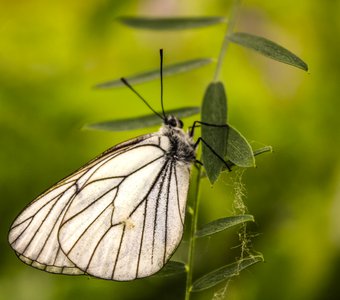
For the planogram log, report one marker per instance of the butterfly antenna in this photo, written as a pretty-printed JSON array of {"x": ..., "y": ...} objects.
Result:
[
  {"x": 161, "y": 73},
  {"x": 139, "y": 95}
]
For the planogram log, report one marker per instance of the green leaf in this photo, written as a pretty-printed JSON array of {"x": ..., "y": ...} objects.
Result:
[
  {"x": 215, "y": 277},
  {"x": 256, "y": 153},
  {"x": 223, "y": 224},
  {"x": 268, "y": 48},
  {"x": 214, "y": 111},
  {"x": 171, "y": 268},
  {"x": 239, "y": 150},
  {"x": 170, "y": 23},
  {"x": 143, "y": 121},
  {"x": 180, "y": 67}
]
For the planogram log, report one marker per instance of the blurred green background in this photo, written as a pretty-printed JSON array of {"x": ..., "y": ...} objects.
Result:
[{"x": 53, "y": 52}]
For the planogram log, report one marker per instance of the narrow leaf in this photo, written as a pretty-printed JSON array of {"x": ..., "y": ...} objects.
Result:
[
  {"x": 171, "y": 268},
  {"x": 214, "y": 111},
  {"x": 180, "y": 67},
  {"x": 170, "y": 23},
  {"x": 239, "y": 150},
  {"x": 268, "y": 48},
  {"x": 223, "y": 224},
  {"x": 143, "y": 121},
  {"x": 215, "y": 277}
]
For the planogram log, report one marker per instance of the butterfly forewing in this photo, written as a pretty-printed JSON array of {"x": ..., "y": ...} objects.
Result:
[{"x": 120, "y": 217}]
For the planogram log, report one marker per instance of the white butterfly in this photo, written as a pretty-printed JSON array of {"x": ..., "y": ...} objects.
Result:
[{"x": 119, "y": 217}]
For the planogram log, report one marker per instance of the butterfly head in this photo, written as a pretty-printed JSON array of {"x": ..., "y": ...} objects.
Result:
[{"x": 173, "y": 122}]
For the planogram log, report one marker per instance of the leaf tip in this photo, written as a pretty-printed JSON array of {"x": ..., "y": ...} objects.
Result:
[
  {"x": 304, "y": 66},
  {"x": 86, "y": 127}
]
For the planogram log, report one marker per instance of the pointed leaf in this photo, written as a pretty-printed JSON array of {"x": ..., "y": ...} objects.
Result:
[
  {"x": 215, "y": 277},
  {"x": 239, "y": 150},
  {"x": 268, "y": 48},
  {"x": 223, "y": 224},
  {"x": 170, "y": 23},
  {"x": 180, "y": 67},
  {"x": 214, "y": 111},
  {"x": 256, "y": 152},
  {"x": 171, "y": 268},
  {"x": 143, "y": 121}
]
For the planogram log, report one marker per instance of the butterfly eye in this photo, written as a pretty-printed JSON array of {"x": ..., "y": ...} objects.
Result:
[{"x": 171, "y": 121}]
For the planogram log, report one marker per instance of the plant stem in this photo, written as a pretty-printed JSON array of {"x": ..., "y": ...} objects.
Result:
[
  {"x": 225, "y": 44},
  {"x": 195, "y": 205},
  {"x": 192, "y": 241}
]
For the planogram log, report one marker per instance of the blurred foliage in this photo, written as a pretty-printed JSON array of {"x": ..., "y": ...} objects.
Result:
[{"x": 52, "y": 53}]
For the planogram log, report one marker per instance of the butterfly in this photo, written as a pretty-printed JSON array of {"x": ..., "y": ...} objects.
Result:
[{"x": 119, "y": 217}]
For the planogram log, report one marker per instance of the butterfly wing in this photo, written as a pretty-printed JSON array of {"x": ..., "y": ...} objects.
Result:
[{"x": 120, "y": 217}]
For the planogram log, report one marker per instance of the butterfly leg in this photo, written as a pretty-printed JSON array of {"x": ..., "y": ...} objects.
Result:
[
  {"x": 198, "y": 162},
  {"x": 192, "y": 128},
  {"x": 213, "y": 151}
]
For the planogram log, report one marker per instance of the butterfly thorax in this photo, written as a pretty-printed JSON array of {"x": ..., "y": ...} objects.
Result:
[{"x": 182, "y": 146}]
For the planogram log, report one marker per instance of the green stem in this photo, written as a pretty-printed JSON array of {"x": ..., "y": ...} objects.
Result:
[
  {"x": 195, "y": 205},
  {"x": 192, "y": 241},
  {"x": 225, "y": 44}
]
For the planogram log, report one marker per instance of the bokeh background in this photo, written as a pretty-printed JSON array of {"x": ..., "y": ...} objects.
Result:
[{"x": 53, "y": 52}]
